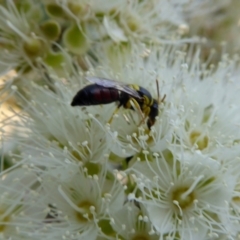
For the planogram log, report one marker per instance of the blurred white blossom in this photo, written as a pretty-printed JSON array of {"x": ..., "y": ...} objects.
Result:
[
  {"x": 70, "y": 172},
  {"x": 189, "y": 196},
  {"x": 38, "y": 30},
  {"x": 81, "y": 207},
  {"x": 180, "y": 175}
]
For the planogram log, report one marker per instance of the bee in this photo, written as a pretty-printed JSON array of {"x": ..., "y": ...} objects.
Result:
[{"x": 129, "y": 96}]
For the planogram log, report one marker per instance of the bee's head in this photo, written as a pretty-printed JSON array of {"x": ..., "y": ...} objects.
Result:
[{"x": 153, "y": 114}]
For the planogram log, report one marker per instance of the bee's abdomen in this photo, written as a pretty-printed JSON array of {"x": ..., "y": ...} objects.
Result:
[{"x": 94, "y": 95}]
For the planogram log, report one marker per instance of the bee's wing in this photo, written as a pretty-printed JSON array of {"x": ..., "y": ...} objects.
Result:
[{"x": 107, "y": 83}]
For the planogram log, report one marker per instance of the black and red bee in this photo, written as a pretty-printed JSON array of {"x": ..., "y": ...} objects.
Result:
[{"x": 104, "y": 91}]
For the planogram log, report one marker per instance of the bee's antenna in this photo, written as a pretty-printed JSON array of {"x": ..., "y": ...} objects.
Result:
[{"x": 158, "y": 93}]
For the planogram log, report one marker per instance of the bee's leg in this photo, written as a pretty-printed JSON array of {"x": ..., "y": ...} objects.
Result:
[
  {"x": 115, "y": 112},
  {"x": 126, "y": 118},
  {"x": 146, "y": 112},
  {"x": 135, "y": 104},
  {"x": 162, "y": 100}
]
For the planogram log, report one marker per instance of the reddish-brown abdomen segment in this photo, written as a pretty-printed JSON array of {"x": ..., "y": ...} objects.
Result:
[{"x": 94, "y": 95}]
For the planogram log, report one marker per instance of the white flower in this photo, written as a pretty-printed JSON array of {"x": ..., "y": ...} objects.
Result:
[
  {"x": 115, "y": 32},
  {"x": 133, "y": 138},
  {"x": 184, "y": 185},
  {"x": 206, "y": 17},
  {"x": 74, "y": 131},
  {"x": 132, "y": 223},
  {"x": 18, "y": 211},
  {"x": 35, "y": 30},
  {"x": 189, "y": 198},
  {"x": 81, "y": 207},
  {"x": 199, "y": 111},
  {"x": 139, "y": 21},
  {"x": 207, "y": 104},
  {"x": 20, "y": 45}
]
